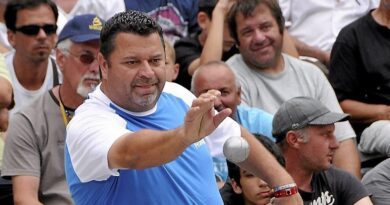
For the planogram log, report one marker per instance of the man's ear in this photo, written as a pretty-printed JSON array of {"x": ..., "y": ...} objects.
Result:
[
  {"x": 237, "y": 189},
  {"x": 203, "y": 20},
  {"x": 103, "y": 66},
  {"x": 239, "y": 94},
  {"x": 60, "y": 59},
  {"x": 292, "y": 139},
  {"x": 11, "y": 38}
]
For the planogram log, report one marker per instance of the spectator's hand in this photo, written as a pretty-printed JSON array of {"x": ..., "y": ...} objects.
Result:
[
  {"x": 224, "y": 6},
  {"x": 202, "y": 119}
]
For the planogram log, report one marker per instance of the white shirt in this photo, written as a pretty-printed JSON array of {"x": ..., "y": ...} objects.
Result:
[
  {"x": 318, "y": 22},
  {"x": 105, "y": 9},
  {"x": 22, "y": 96}
]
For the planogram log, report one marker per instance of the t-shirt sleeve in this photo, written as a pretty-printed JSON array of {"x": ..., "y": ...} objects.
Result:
[
  {"x": 90, "y": 135},
  {"x": 349, "y": 188},
  {"x": 21, "y": 151}
]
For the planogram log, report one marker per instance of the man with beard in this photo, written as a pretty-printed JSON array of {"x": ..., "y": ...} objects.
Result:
[
  {"x": 269, "y": 77},
  {"x": 31, "y": 31},
  {"x": 304, "y": 130},
  {"x": 34, "y": 153}
]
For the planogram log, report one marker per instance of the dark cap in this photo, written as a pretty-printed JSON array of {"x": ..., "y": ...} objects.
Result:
[
  {"x": 300, "y": 112},
  {"x": 82, "y": 28}
]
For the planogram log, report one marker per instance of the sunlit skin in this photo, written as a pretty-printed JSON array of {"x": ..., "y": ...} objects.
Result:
[
  {"x": 36, "y": 48},
  {"x": 81, "y": 77},
  {"x": 134, "y": 73},
  {"x": 219, "y": 77},
  {"x": 317, "y": 153},
  {"x": 228, "y": 41},
  {"x": 260, "y": 40},
  {"x": 255, "y": 191}
]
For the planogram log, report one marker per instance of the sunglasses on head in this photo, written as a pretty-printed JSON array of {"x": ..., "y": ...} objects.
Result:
[
  {"x": 33, "y": 29},
  {"x": 85, "y": 58}
]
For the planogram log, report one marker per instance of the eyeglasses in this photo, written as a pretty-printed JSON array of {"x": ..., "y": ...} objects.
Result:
[
  {"x": 32, "y": 30},
  {"x": 85, "y": 58}
]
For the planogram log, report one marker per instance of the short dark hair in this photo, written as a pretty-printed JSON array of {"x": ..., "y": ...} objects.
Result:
[
  {"x": 234, "y": 170},
  {"x": 207, "y": 6},
  {"x": 246, "y": 7},
  {"x": 130, "y": 21},
  {"x": 13, "y": 6}
]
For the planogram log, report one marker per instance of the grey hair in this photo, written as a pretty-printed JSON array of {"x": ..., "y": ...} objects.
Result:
[
  {"x": 302, "y": 133},
  {"x": 64, "y": 45}
]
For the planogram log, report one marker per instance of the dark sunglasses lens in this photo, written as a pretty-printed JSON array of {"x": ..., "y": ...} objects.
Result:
[
  {"x": 34, "y": 29},
  {"x": 87, "y": 58},
  {"x": 29, "y": 30},
  {"x": 50, "y": 29}
]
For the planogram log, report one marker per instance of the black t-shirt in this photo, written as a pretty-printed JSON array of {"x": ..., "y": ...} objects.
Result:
[
  {"x": 335, "y": 187},
  {"x": 187, "y": 50},
  {"x": 360, "y": 63}
]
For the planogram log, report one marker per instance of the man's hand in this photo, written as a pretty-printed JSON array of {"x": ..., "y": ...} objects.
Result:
[{"x": 202, "y": 119}]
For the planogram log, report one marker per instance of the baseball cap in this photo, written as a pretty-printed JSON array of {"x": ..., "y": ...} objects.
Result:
[
  {"x": 300, "y": 112},
  {"x": 82, "y": 28}
]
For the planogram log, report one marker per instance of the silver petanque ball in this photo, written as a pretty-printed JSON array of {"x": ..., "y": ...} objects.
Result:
[{"x": 236, "y": 149}]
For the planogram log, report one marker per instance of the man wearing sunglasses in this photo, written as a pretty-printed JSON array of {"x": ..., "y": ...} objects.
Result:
[
  {"x": 31, "y": 31},
  {"x": 35, "y": 154}
]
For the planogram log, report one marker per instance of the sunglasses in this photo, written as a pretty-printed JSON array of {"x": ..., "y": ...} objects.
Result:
[
  {"x": 32, "y": 30},
  {"x": 85, "y": 58}
]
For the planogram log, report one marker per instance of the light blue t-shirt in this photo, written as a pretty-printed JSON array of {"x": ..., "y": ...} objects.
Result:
[
  {"x": 255, "y": 120},
  {"x": 189, "y": 179}
]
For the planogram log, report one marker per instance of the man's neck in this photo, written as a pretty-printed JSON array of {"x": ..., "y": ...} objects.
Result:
[
  {"x": 275, "y": 68},
  {"x": 301, "y": 177},
  {"x": 382, "y": 16},
  {"x": 30, "y": 75}
]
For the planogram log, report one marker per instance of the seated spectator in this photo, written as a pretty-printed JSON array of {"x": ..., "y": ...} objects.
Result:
[
  {"x": 217, "y": 75},
  {"x": 377, "y": 182},
  {"x": 34, "y": 151},
  {"x": 245, "y": 188},
  {"x": 269, "y": 77},
  {"x": 172, "y": 68},
  {"x": 32, "y": 29},
  {"x": 303, "y": 128},
  {"x": 359, "y": 74},
  {"x": 314, "y": 25},
  {"x": 177, "y": 18}
]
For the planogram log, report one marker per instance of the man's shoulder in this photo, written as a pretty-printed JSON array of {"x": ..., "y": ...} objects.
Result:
[{"x": 301, "y": 67}]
